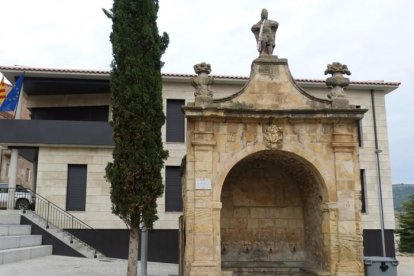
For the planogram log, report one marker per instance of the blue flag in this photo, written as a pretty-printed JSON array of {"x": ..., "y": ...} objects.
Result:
[{"x": 12, "y": 98}]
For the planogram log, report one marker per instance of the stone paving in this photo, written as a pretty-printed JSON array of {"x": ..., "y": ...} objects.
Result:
[
  {"x": 69, "y": 266},
  {"x": 406, "y": 265}
]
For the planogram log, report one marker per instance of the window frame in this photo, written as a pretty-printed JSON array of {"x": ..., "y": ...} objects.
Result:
[
  {"x": 173, "y": 201},
  {"x": 171, "y": 134},
  {"x": 69, "y": 204}
]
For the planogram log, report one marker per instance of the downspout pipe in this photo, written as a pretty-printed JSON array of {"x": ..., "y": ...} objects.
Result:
[{"x": 378, "y": 166}]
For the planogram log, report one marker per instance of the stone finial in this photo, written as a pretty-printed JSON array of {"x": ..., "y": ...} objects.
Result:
[
  {"x": 337, "y": 67},
  {"x": 202, "y": 68},
  {"x": 337, "y": 83},
  {"x": 265, "y": 32},
  {"x": 203, "y": 95}
]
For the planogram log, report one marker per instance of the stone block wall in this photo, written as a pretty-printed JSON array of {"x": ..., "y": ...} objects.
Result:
[
  {"x": 52, "y": 182},
  {"x": 262, "y": 215}
]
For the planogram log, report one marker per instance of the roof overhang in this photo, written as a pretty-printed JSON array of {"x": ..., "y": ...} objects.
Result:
[
  {"x": 39, "y": 81},
  {"x": 81, "y": 79}
]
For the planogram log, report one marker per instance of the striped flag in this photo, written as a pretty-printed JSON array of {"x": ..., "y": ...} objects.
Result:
[
  {"x": 2, "y": 90},
  {"x": 12, "y": 99}
]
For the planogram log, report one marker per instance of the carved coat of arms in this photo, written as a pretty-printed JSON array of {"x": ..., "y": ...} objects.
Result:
[{"x": 273, "y": 137}]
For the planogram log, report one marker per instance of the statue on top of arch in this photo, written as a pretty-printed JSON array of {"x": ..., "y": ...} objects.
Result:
[{"x": 265, "y": 32}]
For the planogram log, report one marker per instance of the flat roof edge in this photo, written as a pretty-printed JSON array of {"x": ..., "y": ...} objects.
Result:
[{"x": 11, "y": 71}]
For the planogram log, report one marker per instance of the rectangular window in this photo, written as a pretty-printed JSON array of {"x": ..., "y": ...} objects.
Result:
[
  {"x": 7, "y": 170},
  {"x": 359, "y": 132},
  {"x": 175, "y": 121},
  {"x": 72, "y": 113},
  {"x": 173, "y": 194},
  {"x": 363, "y": 200},
  {"x": 76, "y": 188}
]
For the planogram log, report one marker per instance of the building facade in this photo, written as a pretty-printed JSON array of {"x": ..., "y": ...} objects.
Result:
[
  {"x": 24, "y": 167},
  {"x": 69, "y": 139}
]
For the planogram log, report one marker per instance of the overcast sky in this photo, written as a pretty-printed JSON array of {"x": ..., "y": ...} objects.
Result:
[{"x": 375, "y": 38}]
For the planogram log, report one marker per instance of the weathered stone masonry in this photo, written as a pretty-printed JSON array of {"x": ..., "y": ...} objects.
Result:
[{"x": 271, "y": 181}]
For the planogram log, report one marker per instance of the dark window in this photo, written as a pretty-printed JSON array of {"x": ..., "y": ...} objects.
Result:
[
  {"x": 373, "y": 243},
  {"x": 175, "y": 121},
  {"x": 76, "y": 189},
  {"x": 363, "y": 200},
  {"x": 173, "y": 195},
  {"x": 75, "y": 113},
  {"x": 359, "y": 132}
]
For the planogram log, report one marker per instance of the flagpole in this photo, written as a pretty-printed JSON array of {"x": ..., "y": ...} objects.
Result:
[
  {"x": 14, "y": 158},
  {"x": 19, "y": 105}
]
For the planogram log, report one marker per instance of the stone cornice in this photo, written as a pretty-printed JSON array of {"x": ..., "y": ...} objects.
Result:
[
  {"x": 265, "y": 114},
  {"x": 344, "y": 146}
]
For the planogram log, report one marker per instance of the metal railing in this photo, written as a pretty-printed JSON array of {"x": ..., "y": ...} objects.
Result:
[
  {"x": 54, "y": 215},
  {"x": 26, "y": 199}
]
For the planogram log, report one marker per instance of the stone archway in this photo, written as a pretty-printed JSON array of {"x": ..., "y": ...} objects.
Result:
[
  {"x": 300, "y": 154},
  {"x": 270, "y": 218}
]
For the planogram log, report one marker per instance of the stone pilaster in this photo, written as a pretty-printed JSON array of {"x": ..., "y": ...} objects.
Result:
[
  {"x": 206, "y": 244},
  {"x": 349, "y": 241},
  {"x": 329, "y": 229}
]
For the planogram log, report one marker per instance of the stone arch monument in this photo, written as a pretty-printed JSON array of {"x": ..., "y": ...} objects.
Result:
[{"x": 271, "y": 184}]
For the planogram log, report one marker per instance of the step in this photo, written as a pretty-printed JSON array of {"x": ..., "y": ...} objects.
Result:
[
  {"x": 10, "y": 212},
  {"x": 14, "y": 230},
  {"x": 267, "y": 272},
  {"x": 9, "y": 219},
  {"x": 8, "y": 242},
  {"x": 24, "y": 253}
]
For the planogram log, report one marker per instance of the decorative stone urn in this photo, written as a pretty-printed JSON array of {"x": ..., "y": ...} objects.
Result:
[
  {"x": 203, "y": 94},
  {"x": 337, "y": 83}
]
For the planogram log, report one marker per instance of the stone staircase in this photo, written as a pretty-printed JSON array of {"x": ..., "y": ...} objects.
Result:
[
  {"x": 16, "y": 243},
  {"x": 65, "y": 237}
]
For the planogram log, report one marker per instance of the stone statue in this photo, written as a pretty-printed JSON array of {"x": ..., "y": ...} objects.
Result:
[{"x": 265, "y": 32}]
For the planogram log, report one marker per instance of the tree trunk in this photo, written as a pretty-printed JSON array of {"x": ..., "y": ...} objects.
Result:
[{"x": 133, "y": 251}]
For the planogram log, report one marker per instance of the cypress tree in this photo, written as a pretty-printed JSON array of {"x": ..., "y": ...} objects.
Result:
[
  {"x": 137, "y": 116},
  {"x": 406, "y": 229}
]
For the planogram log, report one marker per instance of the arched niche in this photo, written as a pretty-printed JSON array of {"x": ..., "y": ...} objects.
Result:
[{"x": 271, "y": 216}]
